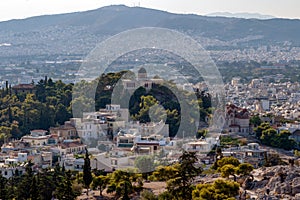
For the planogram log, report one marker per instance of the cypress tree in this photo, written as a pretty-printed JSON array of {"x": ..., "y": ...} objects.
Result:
[{"x": 87, "y": 174}]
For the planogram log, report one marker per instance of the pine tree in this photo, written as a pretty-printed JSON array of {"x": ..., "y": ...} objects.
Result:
[
  {"x": 46, "y": 185},
  {"x": 181, "y": 185},
  {"x": 24, "y": 186},
  {"x": 3, "y": 191},
  {"x": 64, "y": 190}
]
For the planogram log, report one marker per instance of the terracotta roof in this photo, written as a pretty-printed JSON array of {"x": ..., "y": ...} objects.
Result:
[
  {"x": 24, "y": 86},
  {"x": 70, "y": 145},
  {"x": 146, "y": 143},
  {"x": 39, "y": 131}
]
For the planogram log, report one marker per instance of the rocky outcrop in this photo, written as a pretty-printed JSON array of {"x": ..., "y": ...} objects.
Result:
[{"x": 278, "y": 182}]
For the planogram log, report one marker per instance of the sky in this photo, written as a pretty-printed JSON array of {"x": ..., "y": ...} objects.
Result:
[{"x": 19, "y": 9}]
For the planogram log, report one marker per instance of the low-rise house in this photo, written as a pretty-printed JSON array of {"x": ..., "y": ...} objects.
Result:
[
  {"x": 24, "y": 88},
  {"x": 105, "y": 145},
  {"x": 146, "y": 129},
  {"x": 37, "y": 138},
  {"x": 9, "y": 171},
  {"x": 36, "y": 141},
  {"x": 14, "y": 146},
  {"x": 11, "y": 161},
  {"x": 46, "y": 159},
  {"x": 71, "y": 163},
  {"x": 63, "y": 132},
  {"x": 70, "y": 147},
  {"x": 53, "y": 139},
  {"x": 125, "y": 140},
  {"x": 200, "y": 146},
  {"x": 38, "y": 132},
  {"x": 252, "y": 153},
  {"x": 95, "y": 125}
]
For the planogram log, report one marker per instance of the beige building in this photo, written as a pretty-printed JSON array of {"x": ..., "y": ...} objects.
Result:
[
  {"x": 66, "y": 131},
  {"x": 24, "y": 88}
]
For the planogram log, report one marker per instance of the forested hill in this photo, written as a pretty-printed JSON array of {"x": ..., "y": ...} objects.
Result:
[
  {"x": 51, "y": 105},
  {"x": 79, "y": 32}
]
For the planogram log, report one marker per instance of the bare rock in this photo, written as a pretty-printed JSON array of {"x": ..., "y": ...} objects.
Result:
[{"x": 296, "y": 189}]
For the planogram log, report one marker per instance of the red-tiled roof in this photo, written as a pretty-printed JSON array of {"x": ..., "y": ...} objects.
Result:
[
  {"x": 24, "y": 86},
  {"x": 147, "y": 144},
  {"x": 39, "y": 131},
  {"x": 70, "y": 145}
]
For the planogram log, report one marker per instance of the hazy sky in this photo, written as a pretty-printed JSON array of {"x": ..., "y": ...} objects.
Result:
[{"x": 16, "y": 9}]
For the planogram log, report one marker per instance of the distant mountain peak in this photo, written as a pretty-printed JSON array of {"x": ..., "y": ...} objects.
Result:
[
  {"x": 114, "y": 7},
  {"x": 244, "y": 15}
]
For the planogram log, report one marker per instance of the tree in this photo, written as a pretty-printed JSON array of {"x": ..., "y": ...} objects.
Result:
[
  {"x": 258, "y": 131},
  {"x": 148, "y": 103},
  {"x": 164, "y": 173},
  {"x": 64, "y": 190},
  {"x": 280, "y": 140},
  {"x": 228, "y": 160},
  {"x": 34, "y": 193},
  {"x": 3, "y": 191},
  {"x": 87, "y": 173},
  {"x": 297, "y": 153},
  {"x": 201, "y": 133},
  {"x": 227, "y": 170},
  {"x": 81, "y": 104},
  {"x": 148, "y": 195},
  {"x": 46, "y": 184},
  {"x": 220, "y": 189},
  {"x": 25, "y": 185},
  {"x": 61, "y": 114},
  {"x": 255, "y": 120},
  {"x": 244, "y": 169},
  {"x": 181, "y": 185},
  {"x": 230, "y": 169},
  {"x": 121, "y": 183},
  {"x": 268, "y": 135},
  {"x": 100, "y": 182},
  {"x": 145, "y": 164}
]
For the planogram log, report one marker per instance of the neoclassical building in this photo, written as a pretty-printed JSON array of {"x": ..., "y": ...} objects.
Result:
[{"x": 141, "y": 81}]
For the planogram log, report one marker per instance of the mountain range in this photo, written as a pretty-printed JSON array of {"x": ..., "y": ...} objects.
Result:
[{"x": 79, "y": 32}]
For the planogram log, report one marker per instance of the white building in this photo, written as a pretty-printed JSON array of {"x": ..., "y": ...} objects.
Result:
[{"x": 9, "y": 171}]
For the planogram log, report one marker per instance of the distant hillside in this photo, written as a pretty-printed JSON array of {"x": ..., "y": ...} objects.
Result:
[
  {"x": 78, "y": 33},
  {"x": 241, "y": 15}
]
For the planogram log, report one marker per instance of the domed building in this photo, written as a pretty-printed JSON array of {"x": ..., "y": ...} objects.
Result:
[
  {"x": 142, "y": 81},
  {"x": 142, "y": 74}
]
